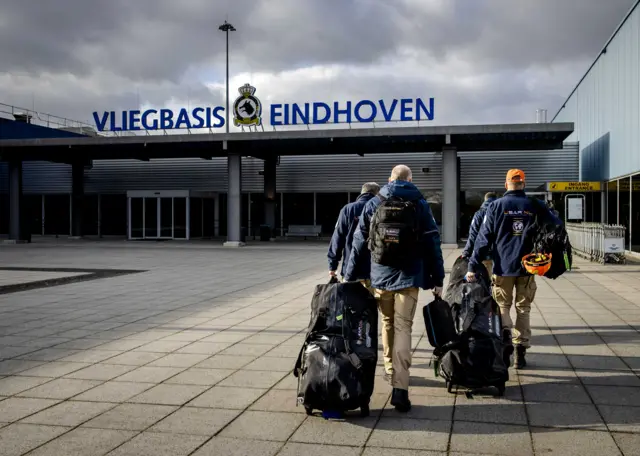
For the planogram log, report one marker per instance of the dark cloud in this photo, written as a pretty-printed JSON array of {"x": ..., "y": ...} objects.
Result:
[{"x": 76, "y": 56}]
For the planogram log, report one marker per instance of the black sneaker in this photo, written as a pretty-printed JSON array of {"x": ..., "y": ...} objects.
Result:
[
  {"x": 520, "y": 362},
  {"x": 400, "y": 400}
]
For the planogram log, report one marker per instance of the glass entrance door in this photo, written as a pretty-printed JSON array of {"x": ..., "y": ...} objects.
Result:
[{"x": 156, "y": 217}]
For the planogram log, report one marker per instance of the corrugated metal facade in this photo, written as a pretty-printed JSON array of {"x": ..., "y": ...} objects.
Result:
[
  {"x": 332, "y": 173},
  {"x": 481, "y": 172},
  {"x": 605, "y": 107}
]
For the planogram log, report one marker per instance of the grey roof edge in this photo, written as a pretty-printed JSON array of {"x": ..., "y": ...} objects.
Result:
[
  {"x": 602, "y": 51},
  {"x": 561, "y": 127}
]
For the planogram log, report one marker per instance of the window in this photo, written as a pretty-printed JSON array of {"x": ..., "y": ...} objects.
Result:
[
  {"x": 328, "y": 206},
  {"x": 624, "y": 203},
  {"x": 635, "y": 213},
  {"x": 612, "y": 203}
]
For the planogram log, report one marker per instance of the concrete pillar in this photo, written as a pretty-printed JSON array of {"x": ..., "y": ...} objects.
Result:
[
  {"x": 234, "y": 201},
  {"x": 16, "y": 216},
  {"x": 450, "y": 196},
  {"x": 77, "y": 199},
  {"x": 270, "y": 167}
]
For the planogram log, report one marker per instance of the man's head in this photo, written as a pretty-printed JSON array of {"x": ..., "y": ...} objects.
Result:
[
  {"x": 401, "y": 172},
  {"x": 515, "y": 180},
  {"x": 370, "y": 187},
  {"x": 490, "y": 196}
]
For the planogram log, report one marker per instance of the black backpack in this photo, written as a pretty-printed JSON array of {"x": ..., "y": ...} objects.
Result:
[
  {"x": 394, "y": 232},
  {"x": 550, "y": 238}
]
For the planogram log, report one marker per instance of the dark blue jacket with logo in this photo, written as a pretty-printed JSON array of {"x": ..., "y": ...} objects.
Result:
[
  {"x": 505, "y": 222},
  {"x": 426, "y": 272},
  {"x": 340, "y": 247},
  {"x": 476, "y": 223}
]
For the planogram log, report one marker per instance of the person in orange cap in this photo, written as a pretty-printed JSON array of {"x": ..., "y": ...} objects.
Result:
[{"x": 503, "y": 231}]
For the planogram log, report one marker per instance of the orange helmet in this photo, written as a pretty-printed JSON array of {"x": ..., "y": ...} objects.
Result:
[{"x": 537, "y": 263}]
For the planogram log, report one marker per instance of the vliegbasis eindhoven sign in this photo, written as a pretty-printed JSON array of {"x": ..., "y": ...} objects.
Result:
[{"x": 248, "y": 110}]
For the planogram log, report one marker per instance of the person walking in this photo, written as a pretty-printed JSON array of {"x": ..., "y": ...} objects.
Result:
[
  {"x": 476, "y": 222},
  {"x": 505, "y": 222},
  {"x": 398, "y": 233},
  {"x": 340, "y": 246}
]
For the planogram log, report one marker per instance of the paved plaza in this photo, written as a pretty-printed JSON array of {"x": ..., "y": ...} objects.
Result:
[{"x": 192, "y": 356}]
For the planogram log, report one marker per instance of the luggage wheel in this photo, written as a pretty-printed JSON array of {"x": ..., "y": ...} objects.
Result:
[
  {"x": 449, "y": 387},
  {"x": 501, "y": 389},
  {"x": 308, "y": 410},
  {"x": 364, "y": 410}
]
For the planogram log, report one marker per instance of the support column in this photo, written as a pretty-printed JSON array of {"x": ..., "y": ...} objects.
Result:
[
  {"x": 270, "y": 170},
  {"x": 16, "y": 216},
  {"x": 234, "y": 201},
  {"x": 450, "y": 196},
  {"x": 77, "y": 199}
]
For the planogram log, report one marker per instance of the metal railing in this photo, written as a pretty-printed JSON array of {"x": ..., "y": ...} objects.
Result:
[
  {"x": 598, "y": 242},
  {"x": 50, "y": 121}
]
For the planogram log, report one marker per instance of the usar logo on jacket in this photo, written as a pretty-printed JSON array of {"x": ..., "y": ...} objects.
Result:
[{"x": 394, "y": 232}]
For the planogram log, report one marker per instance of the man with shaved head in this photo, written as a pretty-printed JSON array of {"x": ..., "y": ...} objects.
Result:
[{"x": 398, "y": 235}]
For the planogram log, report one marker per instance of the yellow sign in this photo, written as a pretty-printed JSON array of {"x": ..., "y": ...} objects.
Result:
[{"x": 573, "y": 186}]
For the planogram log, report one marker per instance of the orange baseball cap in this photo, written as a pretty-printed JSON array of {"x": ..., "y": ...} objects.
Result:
[{"x": 515, "y": 175}]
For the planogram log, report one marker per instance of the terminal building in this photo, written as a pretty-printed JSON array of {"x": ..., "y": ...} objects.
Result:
[
  {"x": 70, "y": 182},
  {"x": 187, "y": 197},
  {"x": 604, "y": 107}
]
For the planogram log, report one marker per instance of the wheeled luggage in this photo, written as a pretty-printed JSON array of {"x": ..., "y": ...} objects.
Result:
[
  {"x": 480, "y": 356},
  {"x": 337, "y": 362}
]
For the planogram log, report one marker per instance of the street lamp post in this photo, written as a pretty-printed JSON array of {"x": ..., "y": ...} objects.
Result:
[{"x": 226, "y": 27}]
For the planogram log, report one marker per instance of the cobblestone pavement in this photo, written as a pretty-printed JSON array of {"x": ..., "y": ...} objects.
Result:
[{"x": 193, "y": 357}]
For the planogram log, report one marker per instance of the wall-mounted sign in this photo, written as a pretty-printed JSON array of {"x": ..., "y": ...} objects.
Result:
[
  {"x": 573, "y": 186},
  {"x": 247, "y": 111}
]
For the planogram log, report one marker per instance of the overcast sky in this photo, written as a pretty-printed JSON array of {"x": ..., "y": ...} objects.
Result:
[{"x": 484, "y": 61}]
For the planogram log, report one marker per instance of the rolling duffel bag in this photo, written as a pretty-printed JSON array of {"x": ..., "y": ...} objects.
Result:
[{"x": 337, "y": 362}]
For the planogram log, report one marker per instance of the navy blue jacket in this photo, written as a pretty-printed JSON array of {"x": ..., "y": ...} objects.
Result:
[
  {"x": 426, "y": 272},
  {"x": 340, "y": 246},
  {"x": 505, "y": 223},
  {"x": 476, "y": 223}
]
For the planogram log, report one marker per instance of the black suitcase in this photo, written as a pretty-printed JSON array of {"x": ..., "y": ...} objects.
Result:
[{"x": 337, "y": 362}]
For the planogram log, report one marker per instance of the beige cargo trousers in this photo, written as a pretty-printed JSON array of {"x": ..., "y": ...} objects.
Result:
[{"x": 398, "y": 309}]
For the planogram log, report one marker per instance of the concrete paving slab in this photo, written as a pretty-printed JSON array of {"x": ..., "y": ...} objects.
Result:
[
  {"x": 253, "y": 379},
  {"x": 15, "y": 408},
  {"x": 197, "y": 376},
  {"x": 131, "y": 417},
  {"x": 168, "y": 394},
  {"x": 60, "y": 388},
  {"x": 238, "y": 447},
  {"x": 496, "y": 439},
  {"x": 156, "y": 444},
  {"x": 196, "y": 421},
  {"x": 16, "y": 384},
  {"x": 577, "y": 416},
  {"x": 295, "y": 449},
  {"x": 114, "y": 392},
  {"x": 70, "y": 413},
  {"x": 17, "y": 439},
  {"x": 573, "y": 442},
  {"x": 225, "y": 397},
  {"x": 628, "y": 443},
  {"x": 84, "y": 442},
  {"x": 410, "y": 434},
  {"x": 272, "y": 426}
]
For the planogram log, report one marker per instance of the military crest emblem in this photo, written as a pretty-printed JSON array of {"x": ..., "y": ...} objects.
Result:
[{"x": 247, "y": 109}]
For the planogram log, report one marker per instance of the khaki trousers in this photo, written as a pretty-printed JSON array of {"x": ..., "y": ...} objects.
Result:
[
  {"x": 525, "y": 294},
  {"x": 398, "y": 309}
]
